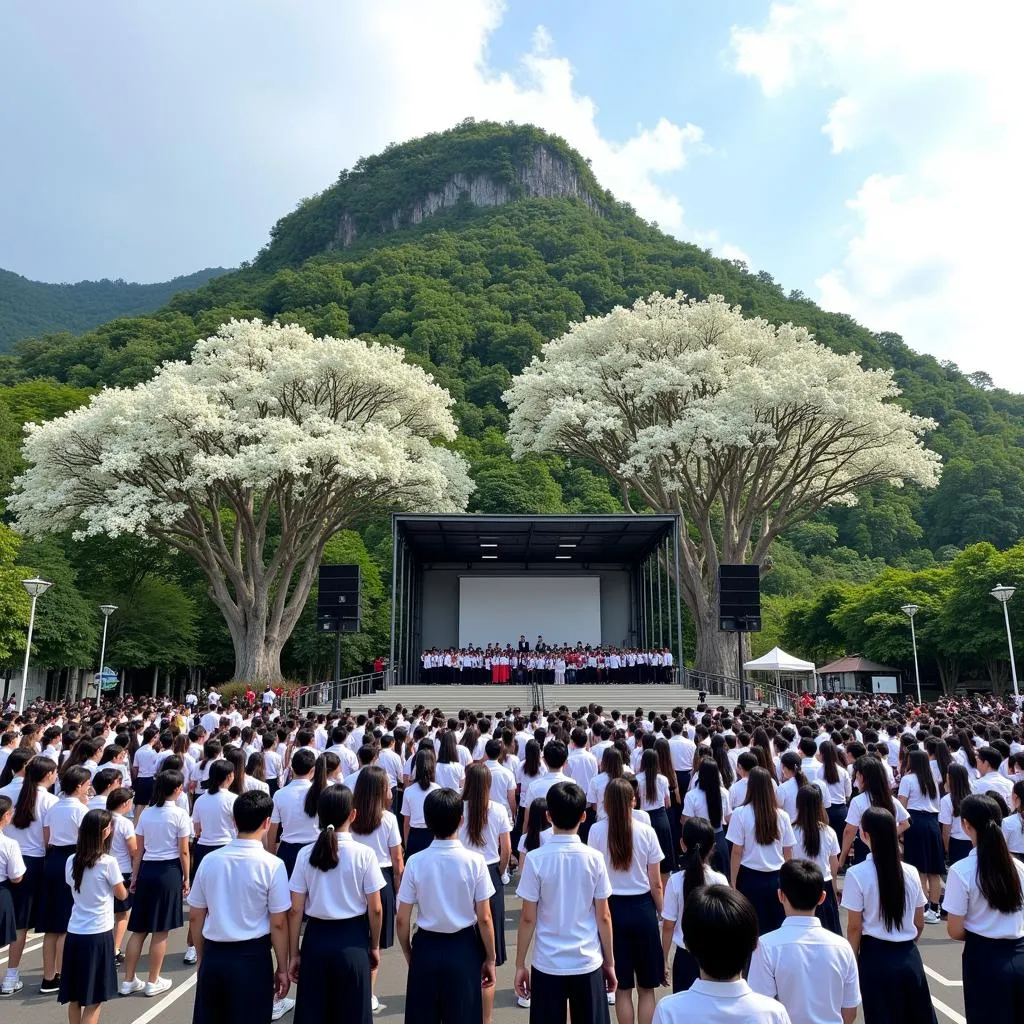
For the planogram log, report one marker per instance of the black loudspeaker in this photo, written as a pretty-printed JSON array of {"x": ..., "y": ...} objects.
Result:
[
  {"x": 739, "y": 598},
  {"x": 337, "y": 602}
]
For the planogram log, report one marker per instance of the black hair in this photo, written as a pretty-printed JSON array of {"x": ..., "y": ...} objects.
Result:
[
  {"x": 442, "y": 811},
  {"x": 567, "y": 804},
  {"x": 761, "y": 797},
  {"x": 74, "y": 778},
  {"x": 699, "y": 837},
  {"x": 118, "y": 797},
  {"x": 959, "y": 779},
  {"x": 423, "y": 768},
  {"x": 104, "y": 779},
  {"x": 536, "y": 822},
  {"x": 37, "y": 769},
  {"x": 219, "y": 772},
  {"x": 251, "y": 809},
  {"x": 802, "y": 883},
  {"x": 555, "y": 754},
  {"x": 326, "y": 763},
  {"x": 720, "y": 925},
  {"x": 921, "y": 767},
  {"x": 709, "y": 781},
  {"x": 880, "y": 826},
  {"x": 16, "y": 760},
  {"x": 91, "y": 845},
  {"x": 164, "y": 785},
  {"x": 334, "y": 808},
  {"x": 998, "y": 878},
  {"x": 303, "y": 761}
]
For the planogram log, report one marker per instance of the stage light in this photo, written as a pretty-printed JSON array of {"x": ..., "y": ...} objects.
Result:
[
  {"x": 488, "y": 545},
  {"x": 567, "y": 545},
  {"x": 560, "y": 558},
  {"x": 485, "y": 557}
]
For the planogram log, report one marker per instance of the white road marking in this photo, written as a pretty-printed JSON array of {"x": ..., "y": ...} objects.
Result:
[
  {"x": 27, "y": 949},
  {"x": 940, "y": 979},
  {"x": 948, "y": 1011},
  {"x": 176, "y": 993}
]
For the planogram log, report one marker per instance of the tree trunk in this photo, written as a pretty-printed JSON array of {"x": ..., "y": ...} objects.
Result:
[
  {"x": 257, "y": 657},
  {"x": 716, "y": 651}
]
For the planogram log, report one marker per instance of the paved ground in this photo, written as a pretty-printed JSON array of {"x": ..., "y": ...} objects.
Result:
[{"x": 941, "y": 957}]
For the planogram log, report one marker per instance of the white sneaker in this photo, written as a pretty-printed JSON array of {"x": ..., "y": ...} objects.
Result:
[
  {"x": 506, "y": 878},
  {"x": 611, "y": 998},
  {"x": 154, "y": 988},
  {"x": 281, "y": 1007},
  {"x": 191, "y": 956},
  {"x": 130, "y": 987},
  {"x": 374, "y": 1003},
  {"x": 11, "y": 984},
  {"x": 524, "y": 1003},
  {"x": 930, "y": 917}
]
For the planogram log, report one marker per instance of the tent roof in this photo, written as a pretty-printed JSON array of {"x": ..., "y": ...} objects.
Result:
[
  {"x": 854, "y": 663},
  {"x": 777, "y": 660}
]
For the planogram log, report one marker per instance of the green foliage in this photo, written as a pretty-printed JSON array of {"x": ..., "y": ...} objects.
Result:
[
  {"x": 28, "y": 308},
  {"x": 14, "y": 602}
]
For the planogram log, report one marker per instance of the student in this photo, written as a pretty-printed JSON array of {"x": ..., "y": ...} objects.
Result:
[
  {"x": 160, "y": 877},
  {"x": 416, "y": 832},
  {"x": 611, "y": 768},
  {"x": 26, "y": 829},
  {"x": 122, "y": 849},
  {"x": 238, "y": 912},
  {"x": 12, "y": 871},
  {"x": 452, "y": 956},
  {"x": 448, "y": 770},
  {"x": 885, "y": 917},
  {"x": 958, "y": 789},
  {"x": 61, "y": 821},
  {"x": 1013, "y": 824},
  {"x": 336, "y": 884},
  {"x": 808, "y": 968},
  {"x": 486, "y": 829},
  {"x": 985, "y": 903},
  {"x": 293, "y": 822},
  {"x": 763, "y": 840},
  {"x": 721, "y": 928},
  {"x": 654, "y": 794},
  {"x": 837, "y": 783},
  {"x": 922, "y": 843},
  {"x": 102, "y": 783},
  {"x": 538, "y": 830},
  {"x": 377, "y": 827},
  {"x": 817, "y": 842},
  {"x": 698, "y": 846},
  {"x": 565, "y": 889},
  {"x": 632, "y": 856},
  {"x": 872, "y": 791},
  {"x": 709, "y": 799},
  {"x": 89, "y": 977},
  {"x": 144, "y": 768}
]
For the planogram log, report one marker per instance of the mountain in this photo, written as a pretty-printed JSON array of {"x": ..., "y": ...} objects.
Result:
[
  {"x": 28, "y": 308},
  {"x": 472, "y": 247}
]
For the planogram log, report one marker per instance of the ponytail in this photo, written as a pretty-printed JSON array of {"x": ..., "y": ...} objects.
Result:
[
  {"x": 219, "y": 772},
  {"x": 649, "y": 766},
  {"x": 618, "y": 805},
  {"x": 319, "y": 785},
  {"x": 333, "y": 809},
  {"x": 997, "y": 873},
  {"x": 791, "y": 760},
  {"x": 699, "y": 837},
  {"x": 165, "y": 784},
  {"x": 90, "y": 846},
  {"x": 761, "y": 797},
  {"x": 35, "y": 772},
  {"x": 810, "y": 818},
  {"x": 477, "y": 794},
  {"x": 710, "y": 782},
  {"x": 880, "y": 827}
]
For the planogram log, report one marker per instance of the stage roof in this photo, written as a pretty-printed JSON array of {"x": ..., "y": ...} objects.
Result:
[{"x": 561, "y": 541}]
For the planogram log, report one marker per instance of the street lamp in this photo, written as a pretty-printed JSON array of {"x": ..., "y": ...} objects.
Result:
[
  {"x": 35, "y": 587},
  {"x": 1002, "y": 595},
  {"x": 108, "y": 610},
  {"x": 910, "y": 610}
]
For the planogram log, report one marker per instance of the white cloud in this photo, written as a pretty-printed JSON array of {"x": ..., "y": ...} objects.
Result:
[{"x": 931, "y": 90}]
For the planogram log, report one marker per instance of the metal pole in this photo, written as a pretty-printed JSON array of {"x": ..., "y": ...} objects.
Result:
[
  {"x": 668, "y": 600},
  {"x": 394, "y": 580},
  {"x": 1009, "y": 641},
  {"x": 401, "y": 599},
  {"x": 103, "y": 655},
  {"x": 661, "y": 637},
  {"x": 28, "y": 648},
  {"x": 917, "y": 672},
  {"x": 337, "y": 667},
  {"x": 739, "y": 670},
  {"x": 679, "y": 600}
]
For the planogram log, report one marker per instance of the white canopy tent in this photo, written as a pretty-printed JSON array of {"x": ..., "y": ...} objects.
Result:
[{"x": 781, "y": 663}]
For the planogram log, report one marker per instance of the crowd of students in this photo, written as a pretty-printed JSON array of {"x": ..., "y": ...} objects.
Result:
[{"x": 697, "y": 849}]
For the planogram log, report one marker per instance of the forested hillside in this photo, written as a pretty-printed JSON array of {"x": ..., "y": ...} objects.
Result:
[
  {"x": 29, "y": 308},
  {"x": 472, "y": 292}
]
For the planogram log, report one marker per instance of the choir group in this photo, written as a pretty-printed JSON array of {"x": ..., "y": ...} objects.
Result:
[{"x": 696, "y": 849}]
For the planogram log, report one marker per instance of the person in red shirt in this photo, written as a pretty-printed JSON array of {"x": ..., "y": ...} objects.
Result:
[{"x": 250, "y": 696}]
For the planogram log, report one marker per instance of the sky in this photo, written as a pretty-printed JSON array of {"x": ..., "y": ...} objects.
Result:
[{"x": 864, "y": 152}]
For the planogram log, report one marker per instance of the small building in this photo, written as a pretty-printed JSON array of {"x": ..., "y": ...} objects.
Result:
[{"x": 856, "y": 674}]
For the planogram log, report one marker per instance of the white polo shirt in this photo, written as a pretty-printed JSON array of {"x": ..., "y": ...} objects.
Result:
[
  {"x": 993, "y": 782},
  {"x": 672, "y": 910},
  {"x": 595, "y": 794},
  {"x": 450, "y": 775},
  {"x": 12, "y": 864},
  {"x": 446, "y": 882},
  {"x": 540, "y": 786},
  {"x": 290, "y": 813},
  {"x": 828, "y": 847},
  {"x": 720, "y": 1002},
  {"x": 862, "y": 801},
  {"x": 413, "y": 798},
  {"x": 338, "y": 894},
  {"x": 240, "y": 885},
  {"x": 502, "y": 783},
  {"x": 63, "y": 820},
  {"x": 1013, "y": 831},
  {"x": 581, "y": 767},
  {"x": 632, "y": 881},
  {"x": 662, "y": 788},
  {"x": 121, "y": 832},
  {"x": 917, "y": 799},
  {"x": 392, "y": 764},
  {"x": 682, "y": 751},
  {"x": 212, "y": 815},
  {"x": 947, "y": 817},
  {"x": 498, "y": 824},
  {"x": 810, "y": 970},
  {"x": 31, "y": 839},
  {"x": 145, "y": 761},
  {"x": 383, "y": 839},
  {"x": 564, "y": 877},
  {"x": 861, "y": 893},
  {"x": 964, "y": 898},
  {"x": 161, "y": 828},
  {"x": 93, "y": 910},
  {"x": 741, "y": 832},
  {"x": 695, "y": 805}
]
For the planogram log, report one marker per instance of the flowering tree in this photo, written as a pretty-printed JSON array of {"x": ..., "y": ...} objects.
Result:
[
  {"x": 247, "y": 459},
  {"x": 740, "y": 427}
]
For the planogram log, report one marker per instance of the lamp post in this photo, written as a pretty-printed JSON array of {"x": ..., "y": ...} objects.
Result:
[
  {"x": 1002, "y": 595},
  {"x": 910, "y": 610},
  {"x": 35, "y": 588},
  {"x": 108, "y": 610}
]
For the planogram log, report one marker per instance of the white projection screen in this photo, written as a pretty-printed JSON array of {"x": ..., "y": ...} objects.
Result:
[{"x": 562, "y": 609}]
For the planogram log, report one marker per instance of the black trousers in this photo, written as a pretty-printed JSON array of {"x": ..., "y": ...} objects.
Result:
[
  {"x": 443, "y": 986},
  {"x": 993, "y": 980},
  {"x": 235, "y": 984},
  {"x": 583, "y": 994}
]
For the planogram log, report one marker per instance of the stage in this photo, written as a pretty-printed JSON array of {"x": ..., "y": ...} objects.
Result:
[{"x": 480, "y": 580}]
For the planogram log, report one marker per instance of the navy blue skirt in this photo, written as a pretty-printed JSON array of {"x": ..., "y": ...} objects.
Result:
[
  {"x": 88, "y": 975},
  {"x": 419, "y": 839},
  {"x": 993, "y": 980},
  {"x": 893, "y": 985},
  {"x": 334, "y": 959},
  {"x": 762, "y": 889},
  {"x": 636, "y": 941},
  {"x": 235, "y": 983},
  {"x": 143, "y": 791},
  {"x": 685, "y": 970},
  {"x": 55, "y": 899},
  {"x": 26, "y": 894},
  {"x": 922, "y": 843},
  {"x": 828, "y": 912},
  {"x": 388, "y": 906},
  {"x": 958, "y": 849},
  {"x": 498, "y": 914},
  {"x": 288, "y": 852},
  {"x": 8, "y": 927},
  {"x": 123, "y": 906},
  {"x": 660, "y": 824},
  {"x": 158, "y": 894},
  {"x": 200, "y": 851}
]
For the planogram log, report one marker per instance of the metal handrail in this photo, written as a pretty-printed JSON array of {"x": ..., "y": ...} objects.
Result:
[
  {"x": 322, "y": 694},
  {"x": 769, "y": 693}
]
